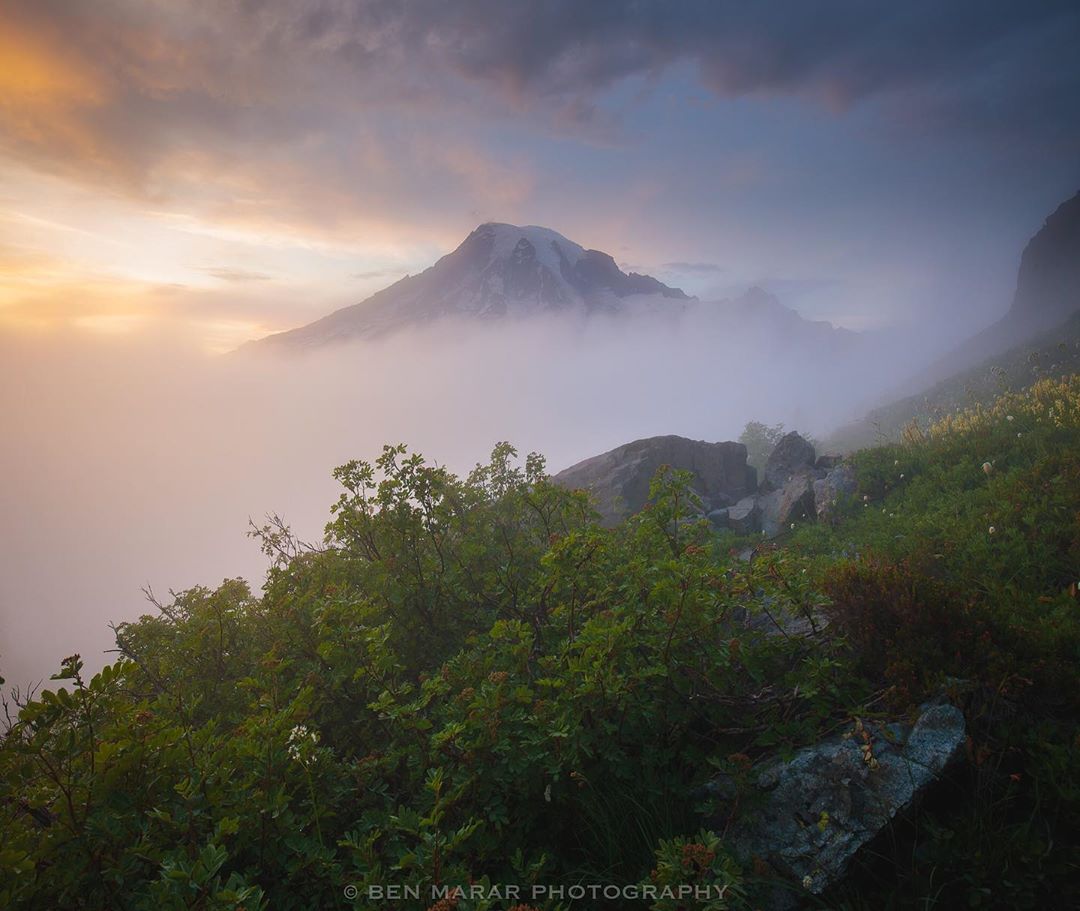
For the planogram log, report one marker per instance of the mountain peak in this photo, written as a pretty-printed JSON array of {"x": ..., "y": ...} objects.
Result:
[
  {"x": 499, "y": 270},
  {"x": 506, "y": 241}
]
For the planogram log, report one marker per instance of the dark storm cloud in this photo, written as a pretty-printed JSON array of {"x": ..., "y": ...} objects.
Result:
[
  {"x": 1018, "y": 57},
  {"x": 124, "y": 80}
]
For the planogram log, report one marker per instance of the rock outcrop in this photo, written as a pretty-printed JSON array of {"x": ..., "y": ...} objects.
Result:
[
  {"x": 1048, "y": 280},
  {"x": 619, "y": 480},
  {"x": 797, "y": 486},
  {"x": 808, "y": 818}
]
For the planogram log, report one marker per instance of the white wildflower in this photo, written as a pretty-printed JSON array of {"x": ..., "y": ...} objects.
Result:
[
  {"x": 987, "y": 467},
  {"x": 1008, "y": 417},
  {"x": 547, "y": 794},
  {"x": 300, "y": 740},
  {"x": 808, "y": 881},
  {"x": 992, "y": 529}
]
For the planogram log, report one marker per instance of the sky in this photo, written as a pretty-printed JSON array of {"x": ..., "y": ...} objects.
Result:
[{"x": 219, "y": 169}]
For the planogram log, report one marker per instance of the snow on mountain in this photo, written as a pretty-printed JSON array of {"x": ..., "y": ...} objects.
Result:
[{"x": 499, "y": 270}]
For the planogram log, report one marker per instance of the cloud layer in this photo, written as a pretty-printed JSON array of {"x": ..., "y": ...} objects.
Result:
[{"x": 124, "y": 90}]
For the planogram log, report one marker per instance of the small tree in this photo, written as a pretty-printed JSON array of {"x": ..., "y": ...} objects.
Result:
[{"x": 760, "y": 440}]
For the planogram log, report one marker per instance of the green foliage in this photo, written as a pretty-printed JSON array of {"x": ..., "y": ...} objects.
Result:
[
  {"x": 699, "y": 873},
  {"x": 471, "y": 681}
]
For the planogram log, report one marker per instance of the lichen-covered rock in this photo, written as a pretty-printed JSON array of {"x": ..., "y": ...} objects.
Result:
[
  {"x": 840, "y": 481},
  {"x": 807, "y": 818}
]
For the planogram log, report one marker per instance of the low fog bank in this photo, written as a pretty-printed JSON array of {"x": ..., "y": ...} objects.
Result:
[{"x": 128, "y": 463}]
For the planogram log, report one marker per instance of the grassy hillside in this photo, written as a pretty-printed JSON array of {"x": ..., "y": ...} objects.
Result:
[
  {"x": 1050, "y": 354},
  {"x": 472, "y": 681}
]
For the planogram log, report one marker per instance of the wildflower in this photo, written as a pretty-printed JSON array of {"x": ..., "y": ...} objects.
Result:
[
  {"x": 987, "y": 468},
  {"x": 1008, "y": 417},
  {"x": 865, "y": 497},
  {"x": 697, "y": 855},
  {"x": 547, "y": 793},
  {"x": 1018, "y": 435},
  {"x": 896, "y": 462},
  {"x": 901, "y": 476},
  {"x": 300, "y": 739},
  {"x": 808, "y": 881},
  {"x": 792, "y": 524},
  {"x": 992, "y": 529}
]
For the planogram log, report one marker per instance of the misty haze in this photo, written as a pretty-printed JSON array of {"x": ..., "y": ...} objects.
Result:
[
  {"x": 143, "y": 463},
  {"x": 514, "y": 457}
]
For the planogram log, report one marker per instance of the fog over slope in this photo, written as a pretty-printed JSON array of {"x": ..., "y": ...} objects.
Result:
[{"x": 135, "y": 463}]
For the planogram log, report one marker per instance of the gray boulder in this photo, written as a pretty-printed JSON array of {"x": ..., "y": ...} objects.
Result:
[
  {"x": 719, "y": 518},
  {"x": 744, "y": 517},
  {"x": 840, "y": 481},
  {"x": 792, "y": 455},
  {"x": 809, "y": 817},
  {"x": 619, "y": 479},
  {"x": 793, "y": 502}
]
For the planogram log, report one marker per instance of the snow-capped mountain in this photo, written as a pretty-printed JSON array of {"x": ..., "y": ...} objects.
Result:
[{"x": 499, "y": 270}]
